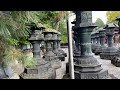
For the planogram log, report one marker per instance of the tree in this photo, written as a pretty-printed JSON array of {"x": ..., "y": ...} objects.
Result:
[
  {"x": 63, "y": 31},
  {"x": 99, "y": 22},
  {"x": 13, "y": 23},
  {"x": 111, "y": 15}
]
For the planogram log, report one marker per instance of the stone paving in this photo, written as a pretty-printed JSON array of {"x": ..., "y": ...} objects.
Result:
[
  {"x": 62, "y": 71},
  {"x": 113, "y": 71}
]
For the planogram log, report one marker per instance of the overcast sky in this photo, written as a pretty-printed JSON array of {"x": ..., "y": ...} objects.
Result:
[{"x": 99, "y": 14}]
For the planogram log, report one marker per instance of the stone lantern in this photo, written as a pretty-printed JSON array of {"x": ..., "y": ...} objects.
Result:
[
  {"x": 98, "y": 42},
  {"x": 92, "y": 39},
  {"x": 110, "y": 51},
  {"x": 96, "y": 38},
  {"x": 42, "y": 69},
  {"x": 50, "y": 56},
  {"x": 55, "y": 48},
  {"x": 93, "y": 45},
  {"x": 59, "y": 46},
  {"x": 77, "y": 42},
  {"x": 102, "y": 44},
  {"x": 87, "y": 66},
  {"x": 116, "y": 60}
]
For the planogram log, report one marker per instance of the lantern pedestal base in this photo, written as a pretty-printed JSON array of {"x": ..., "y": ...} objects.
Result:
[
  {"x": 100, "y": 50},
  {"x": 108, "y": 53},
  {"x": 87, "y": 67},
  {"x": 103, "y": 74},
  {"x": 93, "y": 47},
  {"x": 41, "y": 71},
  {"x": 60, "y": 56}
]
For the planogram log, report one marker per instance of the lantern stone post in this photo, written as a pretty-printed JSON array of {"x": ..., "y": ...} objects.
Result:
[
  {"x": 87, "y": 66},
  {"x": 93, "y": 45},
  {"x": 110, "y": 51},
  {"x": 59, "y": 47},
  {"x": 60, "y": 56},
  {"x": 50, "y": 56},
  {"x": 102, "y": 44},
  {"x": 42, "y": 69}
]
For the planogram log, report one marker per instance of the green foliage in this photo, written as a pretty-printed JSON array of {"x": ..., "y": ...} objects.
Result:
[
  {"x": 13, "y": 23},
  {"x": 63, "y": 31},
  {"x": 99, "y": 22},
  {"x": 111, "y": 15},
  {"x": 28, "y": 61},
  {"x": 13, "y": 54},
  {"x": 14, "y": 31}
]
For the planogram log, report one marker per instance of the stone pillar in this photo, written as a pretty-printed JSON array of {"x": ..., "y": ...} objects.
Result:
[
  {"x": 55, "y": 47},
  {"x": 102, "y": 45},
  {"x": 59, "y": 46},
  {"x": 77, "y": 41},
  {"x": 93, "y": 46},
  {"x": 91, "y": 39},
  {"x": 110, "y": 51},
  {"x": 98, "y": 43},
  {"x": 50, "y": 56},
  {"x": 42, "y": 69},
  {"x": 74, "y": 38},
  {"x": 116, "y": 37},
  {"x": 87, "y": 66}
]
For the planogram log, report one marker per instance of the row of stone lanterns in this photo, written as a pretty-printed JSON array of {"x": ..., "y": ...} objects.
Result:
[
  {"x": 46, "y": 66},
  {"x": 116, "y": 60},
  {"x": 108, "y": 52},
  {"x": 105, "y": 52}
]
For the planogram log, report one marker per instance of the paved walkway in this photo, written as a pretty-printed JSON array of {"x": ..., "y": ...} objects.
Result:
[
  {"x": 62, "y": 71},
  {"x": 112, "y": 70}
]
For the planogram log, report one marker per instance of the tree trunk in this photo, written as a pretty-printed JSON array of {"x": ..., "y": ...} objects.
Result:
[{"x": 57, "y": 25}]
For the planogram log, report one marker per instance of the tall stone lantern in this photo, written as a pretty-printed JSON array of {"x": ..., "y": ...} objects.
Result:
[
  {"x": 50, "y": 56},
  {"x": 77, "y": 42},
  {"x": 87, "y": 66},
  {"x": 110, "y": 51},
  {"x": 55, "y": 47},
  {"x": 59, "y": 46},
  {"x": 42, "y": 69},
  {"x": 101, "y": 40},
  {"x": 76, "y": 39},
  {"x": 93, "y": 46},
  {"x": 98, "y": 42}
]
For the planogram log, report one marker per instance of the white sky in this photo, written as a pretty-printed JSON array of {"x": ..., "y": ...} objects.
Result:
[{"x": 99, "y": 14}]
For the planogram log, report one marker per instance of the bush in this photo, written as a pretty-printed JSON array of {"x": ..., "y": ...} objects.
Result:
[{"x": 16, "y": 54}]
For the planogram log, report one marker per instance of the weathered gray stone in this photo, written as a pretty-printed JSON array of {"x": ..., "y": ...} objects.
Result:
[
  {"x": 43, "y": 69},
  {"x": 2, "y": 72},
  {"x": 110, "y": 51},
  {"x": 102, "y": 44},
  {"x": 50, "y": 56},
  {"x": 87, "y": 66}
]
